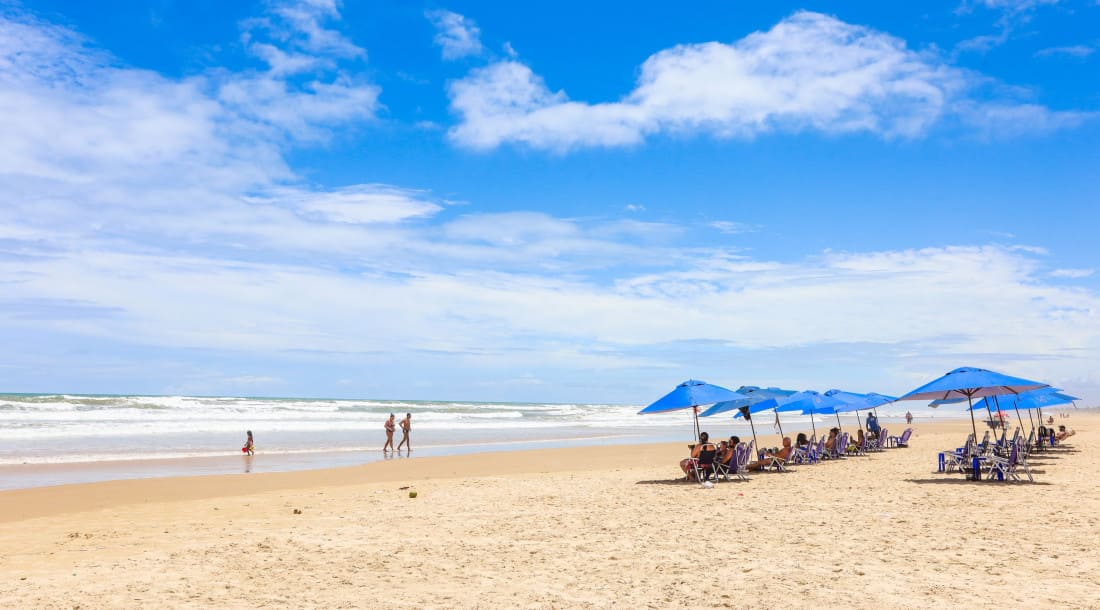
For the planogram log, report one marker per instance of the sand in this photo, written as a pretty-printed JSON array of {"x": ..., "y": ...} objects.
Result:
[{"x": 594, "y": 527}]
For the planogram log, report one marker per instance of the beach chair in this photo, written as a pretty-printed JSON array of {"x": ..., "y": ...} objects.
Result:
[
  {"x": 741, "y": 455},
  {"x": 703, "y": 466},
  {"x": 860, "y": 448},
  {"x": 841, "y": 445},
  {"x": 723, "y": 469},
  {"x": 800, "y": 455},
  {"x": 900, "y": 441},
  {"x": 880, "y": 442},
  {"x": 1007, "y": 468},
  {"x": 777, "y": 464},
  {"x": 817, "y": 451},
  {"x": 957, "y": 459}
]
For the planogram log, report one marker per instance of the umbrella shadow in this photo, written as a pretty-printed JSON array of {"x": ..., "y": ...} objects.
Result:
[{"x": 962, "y": 481}]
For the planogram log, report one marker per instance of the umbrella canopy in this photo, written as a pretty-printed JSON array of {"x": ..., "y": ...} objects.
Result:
[
  {"x": 854, "y": 402},
  {"x": 753, "y": 399},
  {"x": 970, "y": 383},
  {"x": 810, "y": 403},
  {"x": 689, "y": 395},
  {"x": 750, "y": 396},
  {"x": 1035, "y": 399}
]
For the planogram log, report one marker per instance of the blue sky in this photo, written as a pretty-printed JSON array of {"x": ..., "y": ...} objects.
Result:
[{"x": 546, "y": 201}]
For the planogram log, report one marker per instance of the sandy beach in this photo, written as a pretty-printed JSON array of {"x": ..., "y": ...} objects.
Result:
[{"x": 590, "y": 527}]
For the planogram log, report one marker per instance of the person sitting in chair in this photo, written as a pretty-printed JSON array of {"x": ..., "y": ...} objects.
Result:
[
  {"x": 830, "y": 442},
  {"x": 801, "y": 441},
  {"x": 772, "y": 457},
  {"x": 1062, "y": 434},
  {"x": 855, "y": 443},
  {"x": 704, "y": 452}
]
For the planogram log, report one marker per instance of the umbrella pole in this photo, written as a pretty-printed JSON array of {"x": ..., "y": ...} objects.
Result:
[
  {"x": 695, "y": 412},
  {"x": 779, "y": 424},
  {"x": 754, "y": 441},
  {"x": 859, "y": 421},
  {"x": 838, "y": 421},
  {"x": 973, "y": 425},
  {"x": 814, "y": 426}
]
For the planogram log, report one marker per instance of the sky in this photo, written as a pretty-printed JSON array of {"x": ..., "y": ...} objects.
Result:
[{"x": 546, "y": 201}]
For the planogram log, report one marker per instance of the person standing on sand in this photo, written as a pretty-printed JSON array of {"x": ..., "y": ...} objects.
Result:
[
  {"x": 390, "y": 427},
  {"x": 908, "y": 417},
  {"x": 406, "y": 427}
]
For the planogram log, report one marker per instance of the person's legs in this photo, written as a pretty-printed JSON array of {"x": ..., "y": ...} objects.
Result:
[
  {"x": 389, "y": 442},
  {"x": 404, "y": 439}
]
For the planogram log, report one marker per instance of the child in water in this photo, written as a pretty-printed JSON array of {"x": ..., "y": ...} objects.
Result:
[{"x": 248, "y": 446}]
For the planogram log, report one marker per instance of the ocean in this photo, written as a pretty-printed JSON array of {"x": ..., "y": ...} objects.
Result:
[{"x": 48, "y": 439}]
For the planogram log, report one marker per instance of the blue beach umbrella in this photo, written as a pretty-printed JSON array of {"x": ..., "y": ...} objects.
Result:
[
  {"x": 971, "y": 383},
  {"x": 810, "y": 403},
  {"x": 690, "y": 395},
  {"x": 852, "y": 402},
  {"x": 753, "y": 399},
  {"x": 1035, "y": 399}
]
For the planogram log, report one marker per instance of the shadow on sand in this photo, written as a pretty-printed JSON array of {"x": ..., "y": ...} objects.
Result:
[{"x": 948, "y": 480}]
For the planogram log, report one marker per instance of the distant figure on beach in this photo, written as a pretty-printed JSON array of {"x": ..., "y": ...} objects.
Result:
[
  {"x": 390, "y": 427},
  {"x": 406, "y": 427},
  {"x": 908, "y": 417},
  {"x": 1050, "y": 420},
  {"x": 249, "y": 446}
]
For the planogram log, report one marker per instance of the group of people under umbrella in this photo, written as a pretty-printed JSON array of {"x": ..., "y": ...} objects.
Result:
[{"x": 995, "y": 391}]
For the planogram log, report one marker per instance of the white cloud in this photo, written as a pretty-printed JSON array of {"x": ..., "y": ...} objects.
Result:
[
  {"x": 732, "y": 228},
  {"x": 809, "y": 72},
  {"x": 458, "y": 36},
  {"x": 1078, "y": 50},
  {"x": 1072, "y": 273},
  {"x": 360, "y": 204}
]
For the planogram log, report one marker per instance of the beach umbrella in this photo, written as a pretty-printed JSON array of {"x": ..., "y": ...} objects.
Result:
[
  {"x": 752, "y": 399},
  {"x": 748, "y": 395},
  {"x": 809, "y": 402},
  {"x": 971, "y": 383},
  {"x": 852, "y": 402},
  {"x": 1035, "y": 399},
  {"x": 690, "y": 394}
]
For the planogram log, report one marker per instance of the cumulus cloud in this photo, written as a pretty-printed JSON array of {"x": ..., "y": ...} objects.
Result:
[
  {"x": 456, "y": 35},
  {"x": 811, "y": 72}
]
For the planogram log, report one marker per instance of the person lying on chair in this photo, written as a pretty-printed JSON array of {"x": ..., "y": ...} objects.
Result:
[
  {"x": 1062, "y": 434},
  {"x": 780, "y": 456}
]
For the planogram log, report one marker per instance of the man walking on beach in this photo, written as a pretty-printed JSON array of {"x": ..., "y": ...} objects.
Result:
[
  {"x": 406, "y": 427},
  {"x": 390, "y": 427},
  {"x": 908, "y": 417}
]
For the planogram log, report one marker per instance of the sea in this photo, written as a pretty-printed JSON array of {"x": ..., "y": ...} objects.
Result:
[{"x": 53, "y": 439}]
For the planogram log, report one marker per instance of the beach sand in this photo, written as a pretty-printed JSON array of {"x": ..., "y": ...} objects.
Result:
[{"x": 590, "y": 527}]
